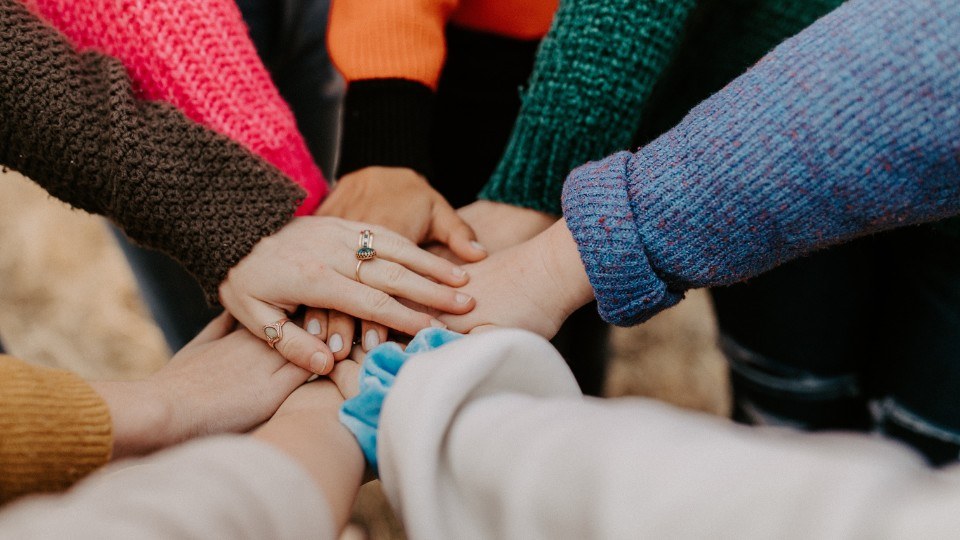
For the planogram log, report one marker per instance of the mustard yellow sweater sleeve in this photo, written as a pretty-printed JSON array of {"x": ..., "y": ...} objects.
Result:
[{"x": 54, "y": 429}]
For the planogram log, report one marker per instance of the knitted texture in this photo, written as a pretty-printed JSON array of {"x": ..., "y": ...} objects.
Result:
[
  {"x": 199, "y": 57},
  {"x": 71, "y": 123},
  {"x": 54, "y": 429},
  {"x": 609, "y": 68},
  {"x": 594, "y": 70},
  {"x": 722, "y": 40},
  {"x": 404, "y": 39},
  {"x": 850, "y": 128}
]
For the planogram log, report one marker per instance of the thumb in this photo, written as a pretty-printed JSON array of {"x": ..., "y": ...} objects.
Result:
[{"x": 450, "y": 229}]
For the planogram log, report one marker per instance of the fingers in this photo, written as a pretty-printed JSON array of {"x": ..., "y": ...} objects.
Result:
[
  {"x": 396, "y": 280},
  {"x": 371, "y": 335},
  {"x": 219, "y": 327},
  {"x": 367, "y": 303},
  {"x": 449, "y": 228},
  {"x": 315, "y": 323},
  {"x": 346, "y": 377},
  {"x": 289, "y": 377},
  {"x": 296, "y": 344},
  {"x": 340, "y": 334},
  {"x": 393, "y": 247}
]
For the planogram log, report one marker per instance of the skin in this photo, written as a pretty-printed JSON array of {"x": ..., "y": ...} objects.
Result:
[
  {"x": 535, "y": 285},
  {"x": 401, "y": 200},
  {"x": 222, "y": 381},
  {"x": 311, "y": 262},
  {"x": 307, "y": 428}
]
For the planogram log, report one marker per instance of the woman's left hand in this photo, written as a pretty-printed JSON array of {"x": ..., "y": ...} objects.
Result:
[{"x": 312, "y": 262}]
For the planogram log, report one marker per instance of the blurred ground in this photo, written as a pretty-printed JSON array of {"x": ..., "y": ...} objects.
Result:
[{"x": 68, "y": 300}]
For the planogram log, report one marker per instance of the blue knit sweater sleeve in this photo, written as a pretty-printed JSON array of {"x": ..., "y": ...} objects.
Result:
[{"x": 849, "y": 128}]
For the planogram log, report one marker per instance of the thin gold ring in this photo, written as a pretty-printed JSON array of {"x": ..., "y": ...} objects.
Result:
[
  {"x": 357, "y": 273},
  {"x": 274, "y": 332}
]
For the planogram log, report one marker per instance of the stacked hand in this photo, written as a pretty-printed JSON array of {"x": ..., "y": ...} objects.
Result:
[
  {"x": 402, "y": 201},
  {"x": 312, "y": 262}
]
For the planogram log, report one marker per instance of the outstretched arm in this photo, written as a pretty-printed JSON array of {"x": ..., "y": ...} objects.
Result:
[{"x": 847, "y": 129}]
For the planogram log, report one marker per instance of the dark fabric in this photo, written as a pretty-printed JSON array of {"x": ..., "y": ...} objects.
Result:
[
  {"x": 884, "y": 311},
  {"x": 478, "y": 100},
  {"x": 290, "y": 37},
  {"x": 477, "y": 103},
  {"x": 387, "y": 122},
  {"x": 72, "y": 125}
]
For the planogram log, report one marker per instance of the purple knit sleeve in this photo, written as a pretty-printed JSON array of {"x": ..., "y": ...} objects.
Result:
[{"x": 850, "y": 128}]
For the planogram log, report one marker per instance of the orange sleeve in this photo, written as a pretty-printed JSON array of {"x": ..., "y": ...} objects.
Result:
[
  {"x": 54, "y": 429},
  {"x": 385, "y": 39}
]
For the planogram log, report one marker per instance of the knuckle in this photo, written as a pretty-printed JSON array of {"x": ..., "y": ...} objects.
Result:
[
  {"x": 378, "y": 301},
  {"x": 395, "y": 274}
]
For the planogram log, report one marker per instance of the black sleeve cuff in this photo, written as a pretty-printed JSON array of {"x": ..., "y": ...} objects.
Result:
[{"x": 387, "y": 123}]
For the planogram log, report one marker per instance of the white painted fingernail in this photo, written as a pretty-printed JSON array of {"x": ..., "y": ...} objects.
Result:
[
  {"x": 318, "y": 362},
  {"x": 462, "y": 298},
  {"x": 437, "y": 324},
  {"x": 459, "y": 272},
  {"x": 371, "y": 339},
  {"x": 313, "y": 326},
  {"x": 335, "y": 343},
  {"x": 477, "y": 245}
]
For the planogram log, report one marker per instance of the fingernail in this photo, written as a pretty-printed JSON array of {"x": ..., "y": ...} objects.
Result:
[
  {"x": 462, "y": 298},
  {"x": 459, "y": 272},
  {"x": 437, "y": 324},
  {"x": 371, "y": 339},
  {"x": 477, "y": 245},
  {"x": 318, "y": 362},
  {"x": 313, "y": 326},
  {"x": 335, "y": 343}
]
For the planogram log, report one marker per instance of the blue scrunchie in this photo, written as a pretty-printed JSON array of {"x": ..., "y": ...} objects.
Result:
[{"x": 361, "y": 413}]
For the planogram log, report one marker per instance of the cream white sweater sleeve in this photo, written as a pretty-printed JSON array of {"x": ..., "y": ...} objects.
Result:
[
  {"x": 488, "y": 437},
  {"x": 222, "y": 487}
]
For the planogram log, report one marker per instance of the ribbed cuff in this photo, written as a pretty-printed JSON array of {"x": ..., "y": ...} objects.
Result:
[
  {"x": 387, "y": 123},
  {"x": 598, "y": 211},
  {"x": 54, "y": 430}
]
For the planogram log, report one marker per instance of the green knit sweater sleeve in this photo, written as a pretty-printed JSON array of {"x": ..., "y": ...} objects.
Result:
[{"x": 593, "y": 72}]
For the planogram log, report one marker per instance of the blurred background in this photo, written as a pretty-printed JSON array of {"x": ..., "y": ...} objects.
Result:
[{"x": 69, "y": 301}]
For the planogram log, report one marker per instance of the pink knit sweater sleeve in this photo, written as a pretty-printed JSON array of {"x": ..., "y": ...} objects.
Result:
[{"x": 199, "y": 57}]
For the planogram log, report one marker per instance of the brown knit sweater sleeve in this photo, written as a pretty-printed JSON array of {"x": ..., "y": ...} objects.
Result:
[
  {"x": 69, "y": 121},
  {"x": 54, "y": 429}
]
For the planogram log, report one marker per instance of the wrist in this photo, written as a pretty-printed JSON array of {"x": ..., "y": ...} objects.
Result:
[
  {"x": 561, "y": 258},
  {"x": 142, "y": 418}
]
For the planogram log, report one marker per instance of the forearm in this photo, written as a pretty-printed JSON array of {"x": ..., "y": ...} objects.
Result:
[
  {"x": 163, "y": 179},
  {"x": 848, "y": 129},
  {"x": 562, "y": 465},
  {"x": 594, "y": 71},
  {"x": 319, "y": 443},
  {"x": 198, "y": 57},
  {"x": 218, "y": 487}
]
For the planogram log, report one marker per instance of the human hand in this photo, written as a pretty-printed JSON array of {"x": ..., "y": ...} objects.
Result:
[
  {"x": 222, "y": 381},
  {"x": 400, "y": 200},
  {"x": 311, "y": 261},
  {"x": 535, "y": 285},
  {"x": 403, "y": 201},
  {"x": 499, "y": 225}
]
